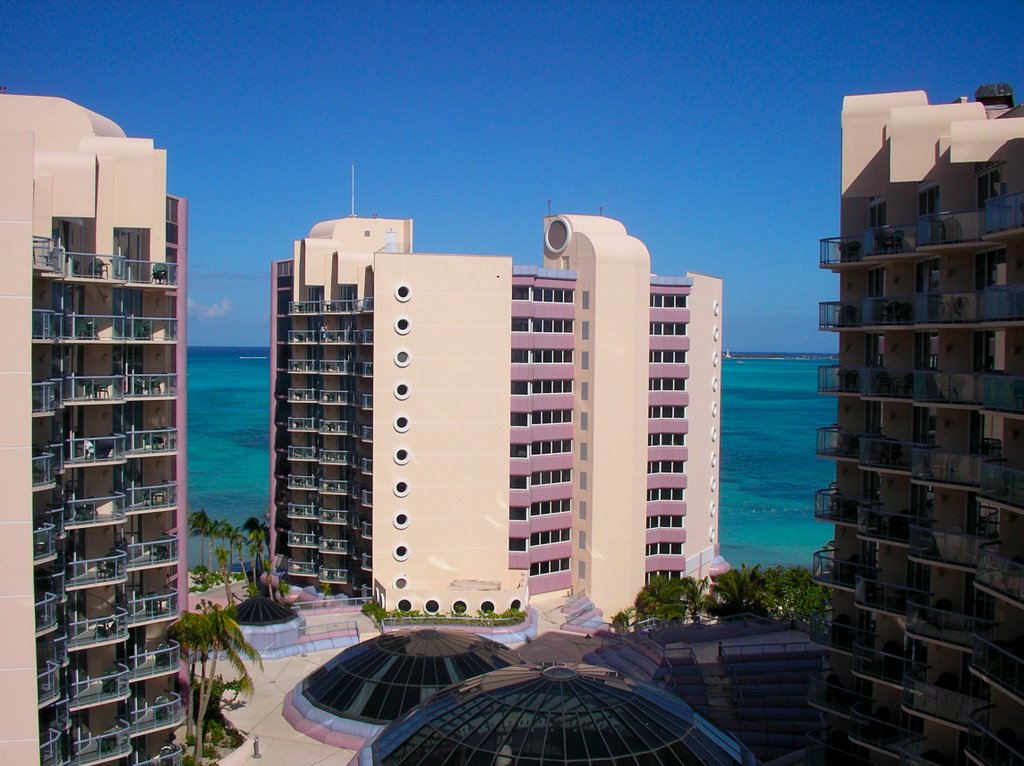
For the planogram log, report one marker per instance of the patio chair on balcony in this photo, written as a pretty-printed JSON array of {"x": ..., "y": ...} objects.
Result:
[
  {"x": 160, "y": 273},
  {"x": 883, "y": 383},
  {"x": 849, "y": 251},
  {"x": 897, "y": 241}
]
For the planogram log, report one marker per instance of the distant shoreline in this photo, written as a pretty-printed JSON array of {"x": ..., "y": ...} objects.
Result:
[{"x": 777, "y": 355}]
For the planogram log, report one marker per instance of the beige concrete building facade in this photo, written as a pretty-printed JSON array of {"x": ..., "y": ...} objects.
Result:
[
  {"x": 92, "y": 458},
  {"x": 927, "y": 621},
  {"x": 455, "y": 433}
]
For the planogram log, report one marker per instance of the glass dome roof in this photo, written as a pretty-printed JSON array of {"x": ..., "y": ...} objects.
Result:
[
  {"x": 379, "y": 680},
  {"x": 260, "y": 610},
  {"x": 560, "y": 714}
]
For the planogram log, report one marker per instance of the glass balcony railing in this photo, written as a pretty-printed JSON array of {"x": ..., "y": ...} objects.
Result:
[
  {"x": 947, "y": 468},
  {"x": 952, "y": 546},
  {"x": 147, "y": 329},
  {"x": 886, "y": 240},
  {"x": 336, "y": 367},
  {"x": 888, "y": 311},
  {"x": 300, "y": 366},
  {"x": 834, "y": 315},
  {"x": 91, "y": 265},
  {"x": 364, "y": 305},
  {"x": 45, "y": 325},
  {"x": 331, "y": 516},
  {"x": 161, "y": 273},
  {"x": 51, "y": 748},
  {"x": 301, "y": 511},
  {"x": 837, "y": 632},
  {"x": 335, "y": 546},
  {"x": 98, "y": 630},
  {"x": 366, "y": 401},
  {"x": 888, "y": 597},
  {"x": 879, "y": 665},
  {"x": 367, "y": 562},
  {"x": 1002, "y": 393},
  {"x": 301, "y": 481},
  {"x": 95, "y": 449},
  {"x": 942, "y": 624},
  {"x": 303, "y": 568},
  {"x": 999, "y": 748},
  {"x": 161, "y": 660},
  {"x": 835, "y": 250},
  {"x": 1001, "y": 575},
  {"x": 301, "y": 395},
  {"x": 302, "y": 336},
  {"x": 835, "y": 442},
  {"x": 333, "y": 487},
  {"x": 340, "y": 307},
  {"x": 832, "y": 506},
  {"x": 883, "y": 453},
  {"x": 1004, "y": 213},
  {"x": 366, "y": 433},
  {"x": 157, "y": 440},
  {"x": 826, "y": 570},
  {"x": 333, "y": 575},
  {"x": 337, "y": 337},
  {"x": 98, "y": 748},
  {"x": 304, "y": 308},
  {"x": 43, "y": 470},
  {"x": 876, "y": 523},
  {"x": 106, "y": 570},
  {"x": 95, "y": 511},
  {"x": 45, "y": 397},
  {"x": 152, "y": 498},
  {"x": 956, "y": 388},
  {"x": 887, "y": 384},
  {"x": 92, "y": 389},
  {"x": 302, "y": 424},
  {"x": 826, "y": 692},
  {"x": 938, "y": 702},
  {"x": 162, "y": 552},
  {"x": 1003, "y": 484},
  {"x": 949, "y": 308},
  {"x": 302, "y": 540},
  {"x": 46, "y": 613},
  {"x": 366, "y": 530},
  {"x": 366, "y": 465},
  {"x": 152, "y": 386},
  {"x": 163, "y": 712},
  {"x": 1000, "y": 662},
  {"x": 1003, "y": 303},
  {"x": 301, "y": 453},
  {"x": 337, "y": 397},
  {"x": 48, "y": 683},
  {"x": 834, "y": 379},
  {"x": 366, "y": 497},
  {"x": 110, "y": 685},
  {"x": 364, "y": 369},
  {"x": 879, "y": 728},
  {"x": 334, "y": 457},
  {"x": 951, "y": 228},
  {"x": 44, "y": 543},
  {"x": 335, "y": 427}
]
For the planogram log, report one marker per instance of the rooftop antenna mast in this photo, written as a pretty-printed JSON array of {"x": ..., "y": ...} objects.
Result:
[{"x": 353, "y": 213}]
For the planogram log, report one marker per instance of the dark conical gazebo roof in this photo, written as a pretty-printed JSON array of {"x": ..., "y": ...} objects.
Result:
[
  {"x": 379, "y": 680},
  {"x": 559, "y": 714},
  {"x": 260, "y": 610}
]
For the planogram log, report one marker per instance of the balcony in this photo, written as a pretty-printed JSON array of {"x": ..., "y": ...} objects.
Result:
[
  {"x": 832, "y": 747},
  {"x": 952, "y": 547},
  {"x": 93, "y": 390},
  {"x": 946, "y": 388},
  {"x": 333, "y": 487},
  {"x": 159, "y": 386},
  {"x": 1004, "y": 213},
  {"x": 337, "y": 398},
  {"x": 364, "y": 369},
  {"x": 366, "y": 465},
  {"x": 1004, "y": 303},
  {"x": 302, "y": 481},
  {"x": 164, "y": 712},
  {"x": 302, "y": 511},
  {"x": 156, "y": 497},
  {"x": 366, "y": 530},
  {"x": 885, "y": 454},
  {"x": 367, "y": 562},
  {"x": 335, "y": 427},
  {"x": 334, "y": 457},
  {"x": 826, "y": 692},
  {"x": 366, "y": 498},
  {"x": 44, "y": 543},
  {"x": 1000, "y": 663},
  {"x": 938, "y": 702},
  {"x": 302, "y": 425},
  {"x": 46, "y": 614},
  {"x": 365, "y": 305},
  {"x": 336, "y": 337},
  {"x": 987, "y": 748},
  {"x": 147, "y": 329},
  {"x": 835, "y": 250},
  {"x": 336, "y": 367},
  {"x": 152, "y": 273},
  {"x": 99, "y": 748},
  {"x": 333, "y": 545},
  {"x": 875, "y": 523},
  {"x": 95, "y": 511},
  {"x": 43, "y": 471},
  {"x": 880, "y": 665},
  {"x": 302, "y": 337},
  {"x": 366, "y": 433},
  {"x": 1003, "y": 485},
  {"x": 887, "y": 384},
  {"x": 834, "y": 442},
  {"x": 299, "y": 366},
  {"x": 964, "y": 227},
  {"x": 48, "y": 683},
  {"x": 304, "y": 308},
  {"x": 878, "y": 729},
  {"x": 107, "y": 570},
  {"x": 834, "y": 379},
  {"x": 156, "y": 553},
  {"x": 302, "y": 568},
  {"x": 155, "y": 441},
  {"x": 95, "y": 449},
  {"x": 887, "y": 597},
  {"x": 45, "y": 325},
  {"x": 947, "y": 468},
  {"x": 949, "y": 308},
  {"x": 302, "y": 395},
  {"x": 364, "y": 337},
  {"x": 943, "y": 625},
  {"x": 836, "y": 574},
  {"x": 302, "y": 540},
  {"x": 834, "y": 315},
  {"x": 333, "y": 575},
  {"x": 1001, "y": 576},
  {"x": 366, "y": 401},
  {"x": 51, "y": 748},
  {"x": 105, "y": 629},
  {"x": 301, "y": 453},
  {"x": 832, "y": 506},
  {"x": 889, "y": 240},
  {"x": 836, "y": 632},
  {"x": 330, "y": 516},
  {"x": 89, "y": 691},
  {"x": 1003, "y": 393},
  {"x": 888, "y": 312},
  {"x": 162, "y": 660},
  {"x": 44, "y": 397}
]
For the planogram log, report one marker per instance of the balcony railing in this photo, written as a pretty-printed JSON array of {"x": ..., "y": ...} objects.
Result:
[
  {"x": 98, "y": 630},
  {"x": 364, "y": 369},
  {"x": 162, "y": 552},
  {"x": 152, "y": 441},
  {"x": 45, "y": 325},
  {"x": 304, "y": 307},
  {"x": 303, "y": 568},
  {"x": 105, "y": 570},
  {"x": 97, "y": 748},
  {"x": 302, "y": 395},
  {"x": 149, "y": 663},
  {"x": 884, "y": 240},
  {"x": 949, "y": 307},
  {"x": 875, "y": 523},
  {"x": 335, "y": 427},
  {"x": 1002, "y": 748},
  {"x": 1000, "y": 575},
  {"x": 835, "y": 379},
  {"x": 834, "y": 442},
  {"x": 51, "y": 748},
  {"x": 937, "y": 702},
  {"x": 951, "y": 228},
  {"x": 46, "y": 613},
  {"x": 297, "y": 366},
  {"x": 331, "y": 516},
  {"x": 44, "y": 396},
  {"x": 887, "y": 384},
  {"x": 947, "y": 468},
  {"x": 337, "y": 397},
  {"x": 826, "y": 570},
  {"x": 143, "y": 329},
  {"x": 840, "y": 250},
  {"x": 301, "y": 511},
  {"x": 301, "y": 424},
  {"x": 302, "y": 336},
  {"x": 946, "y": 388},
  {"x": 152, "y": 386},
  {"x": 945, "y": 625},
  {"x": 998, "y": 663},
  {"x": 110, "y": 685},
  {"x": 1003, "y": 484},
  {"x": 333, "y": 575},
  {"x": 367, "y": 562},
  {"x": 1003, "y": 303},
  {"x": 93, "y": 388},
  {"x": 95, "y": 511},
  {"x": 44, "y": 543},
  {"x": 336, "y": 367},
  {"x": 332, "y": 545},
  {"x": 826, "y": 692},
  {"x": 884, "y": 453},
  {"x": 43, "y": 469},
  {"x": 301, "y": 453},
  {"x": 95, "y": 449},
  {"x": 301, "y": 481},
  {"x": 952, "y": 546},
  {"x": 48, "y": 683},
  {"x": 879, "y": 312},
  {"x": 878, "y": 728},
  {"x": 152, "y": 498},
  {"x": 1003, "y": 213},
  {"x": 302, "y": 540},
  {"x": 1003, "y": 393},
  {"x": 837, "y": 632},
  {"x": 335, "y": 337},
  {"x": 832, "y": 506},
  {"x": 138, "y": 272},
  {"x": 334, "y": 456},
  {"x": 91, "y": 265},
  {"x": 888, "y": 597},
  {"x": 834, "y": 315},
  {"x": 366, "y": 433},
  {"x": 880, "y": 665},
  {"x": 163, "y": 712}
]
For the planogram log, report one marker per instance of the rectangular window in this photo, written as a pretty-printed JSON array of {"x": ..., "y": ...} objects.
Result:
[
  {"x": 666, "y": 494},
  {"x": 551, "y": 325},
  {"x": 876, "y": 282},
  {"x": 549, "y": 567},
  {"x": 520, "y": 324},
  {"x": 553, "y": 447},
  {"x": 928, "y": 200},
  {"x": 517, "y": 544},
  {"x": 659, "y": 411},
  {"x": 989, "y": 185},
  {"x": 520, "y": 356},
  {"x": 520, "y": 419},
  {"x": 586, "y": 300},
  {"x": 668, "y": 357},
  {"x": 558, "y": 476},
  {"x": 664, "y": 549},
  {"x": 520, "y": 292},
  {"x": 668, "y": 328},
  {"x": 927, "y": 274},
  {"x": 665, "y": 301},
  {"x": 583, "y": 450},
  {"x": 583, "y": 509},
  {"x": 551, "y": 537},
  {"x": 584, "y": 390},
  {"x": 581, "y": 541},
  {"x": 520, "y": 387},
  {"x": 585, "y": 330},
  {"x": 519, "y": 450},
  {"x": 666, "y": 384},
  {"x": 876, "y": 213},
  {"x": 551, "y": 356},
  {"x": 518, "y": 482},
  {"x": 548, "y": 507},
  {"x": 544, "y": 417},
  {"x": 551, "y": 386},
  {"x": 517, "y": 513},
  {"x": 990, "y": 269},
  {"x": 584, "y": 421},
  {"x": 666, "y": 466},
  {"x": 582, "y": 569},
  {"x": 583, "y": 479},
  {"x": 585, "y": 360},
  {"x": 664, "y": 521},
  {"x": 552, "y": 295},
  {"x": 666, "y": 440}
]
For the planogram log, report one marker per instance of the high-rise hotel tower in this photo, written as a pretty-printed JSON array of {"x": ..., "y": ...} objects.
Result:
[{"x": 453, "y": 432}]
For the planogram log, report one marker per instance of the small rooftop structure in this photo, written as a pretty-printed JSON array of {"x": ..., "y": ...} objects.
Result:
[{"x": 260, "y": 610}]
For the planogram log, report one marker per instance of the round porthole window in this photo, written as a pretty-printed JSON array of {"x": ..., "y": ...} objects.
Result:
[
  {"x": 403, "y": 293},
  {"x": 714, "y": 459},
  {"x": 718, "y": 308},
  {"x": 401, "y": 553},
  {"x": 711, "y": 509},
  {"x": 516, "y": 604},
  {"x": 459, "y": 607},
  {"x": 712, "y": 534},
  {"x": 401, "y": 424},
  {"x": 487, "y": 606},
  {"x": 401, "y": 583},
  {"x": 401, "y": 488},
  {"x": 401, "y": 520},
  {"x": 714, "y": 384},
  {"x": 714, "y": 409},
  {"x": 557, "y": 235},
  {"x": 431, "y": 606},
  {"x": 714, "y": 483},
  {"x": 402, "y": 358},
  {"x": 402, "y": 391},
  {"x": 715, "y": 359},
  {"x": 714, "y": 434},
  {"x": 715, "y": 333},
  {"x": 404, "y": 605},
  {"x": 401, "y": 456},
  {"x": 402, "y": 325}
]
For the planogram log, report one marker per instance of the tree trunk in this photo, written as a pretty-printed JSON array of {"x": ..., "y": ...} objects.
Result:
[{"x": 205, "y": 691}]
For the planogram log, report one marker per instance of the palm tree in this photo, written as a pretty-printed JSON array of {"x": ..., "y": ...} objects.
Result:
[
  {"x": 200, "y": 525},
  {"x": 205, "y": 636},
  {"x": 739, "y": 591},
  {"x": 223, "y": 555},
  {"x": 258, "y": 533},
  {"x": 661, "y": 598},
  {"x": 696, "y": 596}
]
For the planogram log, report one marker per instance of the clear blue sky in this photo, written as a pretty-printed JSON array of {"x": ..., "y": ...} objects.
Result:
[{"x": 710, "y": 129}]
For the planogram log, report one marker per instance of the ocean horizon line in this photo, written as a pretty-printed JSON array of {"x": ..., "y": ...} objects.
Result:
[{"x": 733, "y": 354}]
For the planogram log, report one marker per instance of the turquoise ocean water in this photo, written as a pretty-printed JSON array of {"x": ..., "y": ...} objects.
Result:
[{"x": 769, "y": 472}]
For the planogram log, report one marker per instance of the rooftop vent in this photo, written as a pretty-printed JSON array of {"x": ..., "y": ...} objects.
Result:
[{"x": 996, "y": 95}]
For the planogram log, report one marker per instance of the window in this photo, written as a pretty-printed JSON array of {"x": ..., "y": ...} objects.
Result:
[
  {"x": 989, "y": 184},
  {"x": 990, "y": 269},
  {"x": 663, "y": 301},
  {"x": 658, "y": 411},
  {"x": 584, "y": 421},
  {"x": 543, "y": 417},
  {"x": 519, "y": 450},
  {"x": 876, "y": 213},
  {"x": 876, "y": 282},
  {"x": 585, "y": 302},
  {"x": 585, "y": 330},
  {"x": 551, "y": 356},
  {"x": 583, "y": 509},
  {"x": 928, "y": 200},
  {"x": 557, "y": 476},
  {"x": 666, "y": 384},
  {"x": 549, "y": 567},
  {"x": 552, "y": 295},
  {"x": 584, "y": 390},
  {"x": 551, "y": 387},
  {"x": 517, "y": 544},
  {"x": 518, "y": 482},
  {"x": 520, "y": 356},
  {"x": 551, "y": 537},
  {"x": 520, "y": 292},
  {"x": 666, "y": 440},
  {"x": 874, "y": 350},
  {"x": 668, "y": 357},
  {"x": 517, "y": 513},
  {"x": 664, "y": 521},
  {"x": 666, "y": 466},
  {"x": 668, "y": 328},
  {"x": 520, "y": 324},
  {"x": 520, "y": 387},
  {"x": 520, "y": 419},
  {"x": 581, "y": 541},
  {"x": 547, "y": 507},
  {"x": 927, "y": 276},
  {"x": 664, "y": 494},
  {"x": 926, "y": 351},
  {"x": 585, "y": 360},
  {"x": 550, "y": 325},
  {"x": 554, "y": 447},
  {"x": 988, "y": 350},
  {"x": 583, "y": 450},
  {"x": 664, "y": 549},
  {"x": 872, "y": 417}
]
